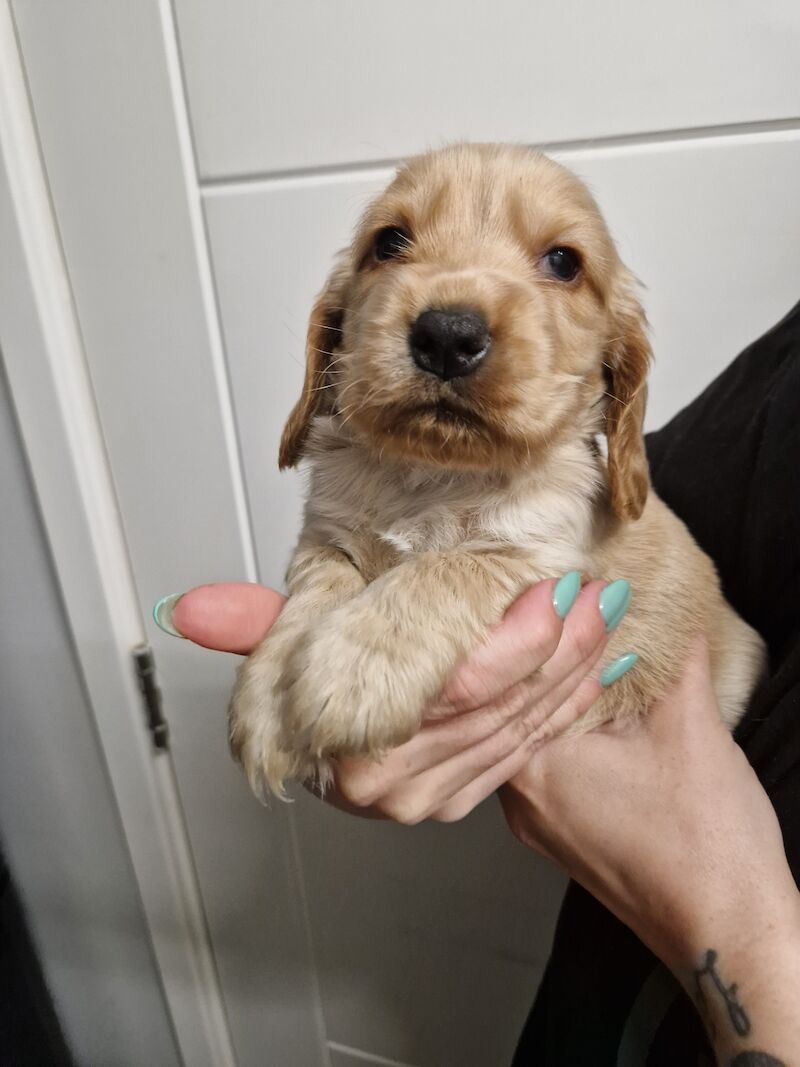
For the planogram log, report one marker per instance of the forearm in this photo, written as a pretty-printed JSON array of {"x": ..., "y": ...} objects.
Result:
[{"x": 668, "y": 826}]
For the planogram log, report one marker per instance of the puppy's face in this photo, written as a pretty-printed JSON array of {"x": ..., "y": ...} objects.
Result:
[{"x": 481, "y": 314}]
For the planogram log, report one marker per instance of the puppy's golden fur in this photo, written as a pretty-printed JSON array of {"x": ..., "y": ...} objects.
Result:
[{"x": 434, "y": 503}]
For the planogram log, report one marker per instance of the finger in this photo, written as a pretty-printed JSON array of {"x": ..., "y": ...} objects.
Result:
[
  {"x": 531, "y": 638},
  {"x": 582, "y": 640},
  {"x": 542, "y": 722},
  {"x": 227, "y": 616},
  {"x": 521, "y": 642},
  {"x": 335, "y": 798},
  {"x": 480, "y": 769},
  {"x": 448, "y": 755},
  {"x": 461, "y": 746},
  {"x": 363, "y": 781},
  {"x": 474, "y": 789},
  {"x": 566, "y": 757}
]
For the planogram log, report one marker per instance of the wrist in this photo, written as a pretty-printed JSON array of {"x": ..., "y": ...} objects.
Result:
[
  {"x": 737, "y": 913},
  {"x": 744, "y": 976},
  {"x": 743, "y": 924}
]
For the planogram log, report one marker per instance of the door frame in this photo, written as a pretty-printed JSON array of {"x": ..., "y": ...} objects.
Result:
[{"x": 54, "y": 402}]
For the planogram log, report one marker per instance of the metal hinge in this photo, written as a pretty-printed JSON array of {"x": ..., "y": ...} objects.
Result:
[{"x": 145, "y": 666}]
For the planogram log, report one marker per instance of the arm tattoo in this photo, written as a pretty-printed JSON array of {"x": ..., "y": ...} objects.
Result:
[{"x": 736, "y": 1013}]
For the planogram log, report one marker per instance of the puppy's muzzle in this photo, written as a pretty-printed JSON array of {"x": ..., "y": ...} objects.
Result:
[{"x": 450, "y": 343}]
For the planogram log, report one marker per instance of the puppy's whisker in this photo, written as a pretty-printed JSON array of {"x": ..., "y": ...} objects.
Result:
[
  {"x": 348, "y": 407},
  {"x": 352, "y": 312},
  {"x": 363, "y": 402},
  {"x": 347, "y": 389},
  {"x": 351, "y": 385},
  {"x": 335, "y": 362},
  {"x": 349, "y": 410},
  {"x": 352, "y": 410}
]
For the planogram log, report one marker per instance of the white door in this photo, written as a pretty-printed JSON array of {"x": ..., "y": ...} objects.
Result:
[{"x": 205, "y": 160}]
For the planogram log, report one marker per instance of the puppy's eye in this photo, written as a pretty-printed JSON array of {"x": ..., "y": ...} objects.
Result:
[
  {"x": 391, "y": 242},
  {"x": 562, "y": 263}
]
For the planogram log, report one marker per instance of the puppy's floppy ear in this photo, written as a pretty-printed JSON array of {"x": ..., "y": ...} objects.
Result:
[
  {"x": 627, "y": 361},
  {"x": 323, "y": 338}
]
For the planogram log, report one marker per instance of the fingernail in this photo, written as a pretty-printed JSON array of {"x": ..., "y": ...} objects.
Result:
[
  {"x": 615, "y": 670},
  {"x": 162, "y": 614},
  {"x": 566, "y": 593},
  {"x": 614, "y": 601}
]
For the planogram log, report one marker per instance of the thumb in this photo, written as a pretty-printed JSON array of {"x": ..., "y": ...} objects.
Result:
[{"x": 227, "y": 616}]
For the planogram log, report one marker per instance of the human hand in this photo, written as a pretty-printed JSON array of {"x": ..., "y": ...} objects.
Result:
[{"x": 533, "y": 678}]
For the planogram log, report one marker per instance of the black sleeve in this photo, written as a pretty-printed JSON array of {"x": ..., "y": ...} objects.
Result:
[{"x": 728, "y": 466}]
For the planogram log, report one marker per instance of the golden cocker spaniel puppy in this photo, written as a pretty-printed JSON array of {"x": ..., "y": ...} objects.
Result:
[{"x": 470, "y": 347}]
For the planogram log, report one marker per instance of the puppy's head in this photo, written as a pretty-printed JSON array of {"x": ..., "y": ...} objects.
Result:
[{"x": 481, "y": 314}]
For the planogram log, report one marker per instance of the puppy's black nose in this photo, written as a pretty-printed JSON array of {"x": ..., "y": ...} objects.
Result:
[{"x": 449, "y": 344}]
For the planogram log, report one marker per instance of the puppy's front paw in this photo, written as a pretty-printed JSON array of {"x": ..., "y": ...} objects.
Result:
[
  {"x": 351, "y": 689},
  {"x": 254, "y": 719}
]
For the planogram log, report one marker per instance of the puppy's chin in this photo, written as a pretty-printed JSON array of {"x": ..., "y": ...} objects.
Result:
[{"x": 443, "y": 433}]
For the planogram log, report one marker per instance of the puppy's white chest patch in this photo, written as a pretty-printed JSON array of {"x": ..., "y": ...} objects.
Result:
[
  {"x": 413, "y": 512},
  {"x": 438, "y": 529}
]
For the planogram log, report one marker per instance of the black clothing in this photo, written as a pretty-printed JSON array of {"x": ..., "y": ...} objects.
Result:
[{"x": 729, "y": 466}]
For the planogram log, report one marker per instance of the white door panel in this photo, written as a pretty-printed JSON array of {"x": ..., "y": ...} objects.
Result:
[
  {"x": 288, "y": 84},
  {"x": 429, "y": 941},
  {"x": 711, "y": 228}
]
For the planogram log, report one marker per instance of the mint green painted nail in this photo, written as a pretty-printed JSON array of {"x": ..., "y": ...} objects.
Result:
[
  {"x": 162, "y": 614},
  {"x": 615, "y": 670},
  {"x": 566, "y": 593},
  {"x": 614, "y": 601}
]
